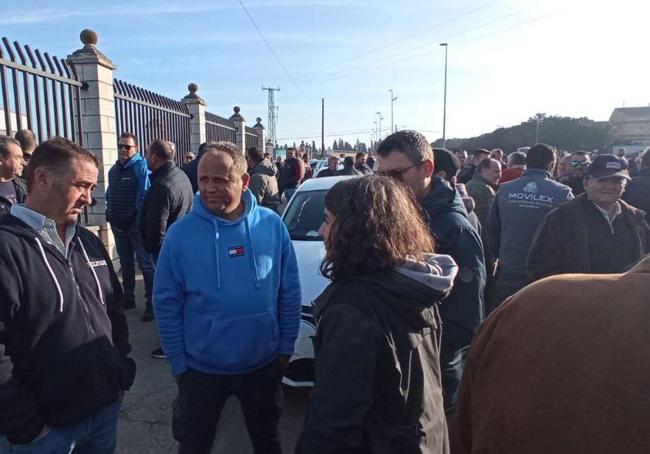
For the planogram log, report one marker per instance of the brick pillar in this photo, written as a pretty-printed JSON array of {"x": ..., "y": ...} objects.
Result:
[
  {"x": 240, "y": 124},
  {"x": 196, "y": 107},
  {"x": 260, "y": 130},
  {"x": 95, "y": 70}
]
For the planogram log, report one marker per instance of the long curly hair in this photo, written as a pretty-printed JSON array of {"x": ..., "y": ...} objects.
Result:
[{"x": 378, "y": 224}]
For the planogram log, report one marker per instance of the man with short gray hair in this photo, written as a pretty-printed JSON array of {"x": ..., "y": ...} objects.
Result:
[{"x": 227, "y": 301}]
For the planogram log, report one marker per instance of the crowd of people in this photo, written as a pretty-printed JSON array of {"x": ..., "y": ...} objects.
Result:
[{"x": 421, "y": 245}]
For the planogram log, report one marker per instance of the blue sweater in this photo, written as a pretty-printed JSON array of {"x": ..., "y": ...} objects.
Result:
[{"x": 227, "y": 294}]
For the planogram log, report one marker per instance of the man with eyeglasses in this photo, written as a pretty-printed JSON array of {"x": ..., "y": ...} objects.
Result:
[
  {"x": 128, "y": 182},
  {"x": 578, "y": 162},
  {"x": 596, "y": 232},
  {"x": 406, "y": 156}
]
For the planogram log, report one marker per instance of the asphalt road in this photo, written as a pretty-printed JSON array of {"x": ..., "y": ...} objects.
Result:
[{"x": 145, "y": 422}]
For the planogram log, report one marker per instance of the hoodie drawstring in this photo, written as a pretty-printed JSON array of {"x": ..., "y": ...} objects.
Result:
[
  {"x": 49, "y": 268},
  {"x": 216, "y": 251},
  {"x": 99, "y": 287},
  {"x": 250, "y": 240}
]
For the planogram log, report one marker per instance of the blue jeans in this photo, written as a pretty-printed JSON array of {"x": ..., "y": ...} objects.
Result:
[
  {"x": 128, "y": 243},
  {"x": 451, "y": 368},
  {"x": 94, "y": 435}
]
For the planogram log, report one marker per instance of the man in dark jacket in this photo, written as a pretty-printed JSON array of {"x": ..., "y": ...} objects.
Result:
[
  {"x": 637, "y": 192},
  {"x": 518, "y": 209},
  {"x": 360, "y": 164},
  {"x": 291, "y": 174},
  {"x": 128, "y": 182},
  {"x": 64, "y": 340},
  {"x": 467, "y": 172},
  {"x": 348, "y": 168},
  {"x": 406, "y": 156},
  {"x": 191, "y": 168},
  {"x": 447, "y": 167},
  {"x": 330, "y": 170},
  {"x": 594, "y": 233},
  {"x": 168, "y": 199},
  {"x": 12, "y": 190},
  {"x": 263, "y": 183}
]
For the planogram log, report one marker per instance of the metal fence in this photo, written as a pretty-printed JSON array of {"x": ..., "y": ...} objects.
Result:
[
  {"x": 252, "y": 139},
  {"x": 151, "y": 116},
  {"x": 218, "y": 128},
  {"x": 39, "y": 92}
]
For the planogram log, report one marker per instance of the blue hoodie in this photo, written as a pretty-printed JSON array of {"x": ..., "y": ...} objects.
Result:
[{"x": 227, "y": 294}]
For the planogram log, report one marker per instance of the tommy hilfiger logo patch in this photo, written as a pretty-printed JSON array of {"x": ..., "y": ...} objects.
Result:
[{"x": 236, "y": 251}]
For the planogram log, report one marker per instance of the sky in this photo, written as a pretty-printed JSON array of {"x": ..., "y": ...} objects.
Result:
[{"x": 507, "y": 59}]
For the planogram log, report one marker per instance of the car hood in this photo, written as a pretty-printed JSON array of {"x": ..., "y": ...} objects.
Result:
[{"x": 309, "y": 255}]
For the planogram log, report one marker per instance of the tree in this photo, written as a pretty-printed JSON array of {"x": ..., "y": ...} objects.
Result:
[{"x": 566, "y": 133}]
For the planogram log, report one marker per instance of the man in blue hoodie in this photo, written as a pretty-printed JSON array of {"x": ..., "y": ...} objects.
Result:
[
  {"x": 128, "y": 182},
  {"x": 406, "y": 156},
  {"x": 227, "y": 303}
]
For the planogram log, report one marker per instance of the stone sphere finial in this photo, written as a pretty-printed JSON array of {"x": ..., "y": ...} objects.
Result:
[
  {"x": 236, "y": 109},
  {"x": 258, "y": 119},
  {"x": 88, "y": 37},
  {"x": 193, "y": 88}
]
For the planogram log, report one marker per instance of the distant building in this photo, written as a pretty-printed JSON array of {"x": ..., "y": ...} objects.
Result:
[{"x": 631, "y": 123}]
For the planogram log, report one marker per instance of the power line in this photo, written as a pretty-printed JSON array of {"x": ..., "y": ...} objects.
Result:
[
  {"x": 284, "y": 68},
  {"x": 355, "y": 69},
  {"x": 343, "y": 74},
  {"x": 411, "y": 36}
]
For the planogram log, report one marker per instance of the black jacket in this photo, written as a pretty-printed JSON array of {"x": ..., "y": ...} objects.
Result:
[
  {"x": 191, "y": 169},
  {"x": 169, "y": 198},
  {"x": 21, "y": 194},
  {"x": 637, "y": 192},
  {"x": 463, "y": 311},
  {"x": 466, "y": 174},
  {"x": 377, "y": 381},
  {"x": 64, "y": 339},
  {"x": 561, "y": 243}
]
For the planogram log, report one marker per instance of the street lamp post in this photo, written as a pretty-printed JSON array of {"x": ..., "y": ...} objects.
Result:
[
  {"x": 392, "y": 101},
  {"x": 444, "y": 106},
  {"x": 379, "y": 125},
  {"x": 375, "y": 130}
]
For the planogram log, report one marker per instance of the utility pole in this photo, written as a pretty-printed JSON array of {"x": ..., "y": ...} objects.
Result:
[
  {"x": 322, "y": 128},
  {"x": 379, "y": 126},
  {"x": 272, "y": 114},
  {"x": 392, "y": 101},
  {"x": 444, "y": 108},
  {"x": 374, "y": 130}
]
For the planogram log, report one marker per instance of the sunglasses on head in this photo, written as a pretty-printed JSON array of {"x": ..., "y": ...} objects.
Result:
[{"x": 579, "y": 164}]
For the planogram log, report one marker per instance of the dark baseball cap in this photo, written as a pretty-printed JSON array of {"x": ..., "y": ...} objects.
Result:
[{"x": 607, "y": 165}]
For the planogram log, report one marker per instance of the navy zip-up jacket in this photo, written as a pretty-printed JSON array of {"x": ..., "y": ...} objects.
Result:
[
  {"x": 462, "y": 311},
  {"x": 128, "y": 183},
  {"x": 64, "y": 338}
]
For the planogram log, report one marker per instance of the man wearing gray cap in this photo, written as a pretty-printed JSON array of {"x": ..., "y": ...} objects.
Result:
[{"x": 596, "y": 232}]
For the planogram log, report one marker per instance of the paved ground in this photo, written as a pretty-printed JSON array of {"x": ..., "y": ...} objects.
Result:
[{"x": 145, "y": 422}]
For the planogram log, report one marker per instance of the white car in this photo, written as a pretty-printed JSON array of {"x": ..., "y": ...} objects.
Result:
[{"x": 303, "y": 217}]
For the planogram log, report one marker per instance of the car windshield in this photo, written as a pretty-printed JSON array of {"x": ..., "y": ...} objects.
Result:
[{"x": 305, "y": 215}]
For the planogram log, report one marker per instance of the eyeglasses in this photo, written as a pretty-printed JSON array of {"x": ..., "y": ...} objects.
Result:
[
  {"x": 396, "y": 174},
  {"x": 582, "y": 164},
  {"x": 124, "y": 145}
]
